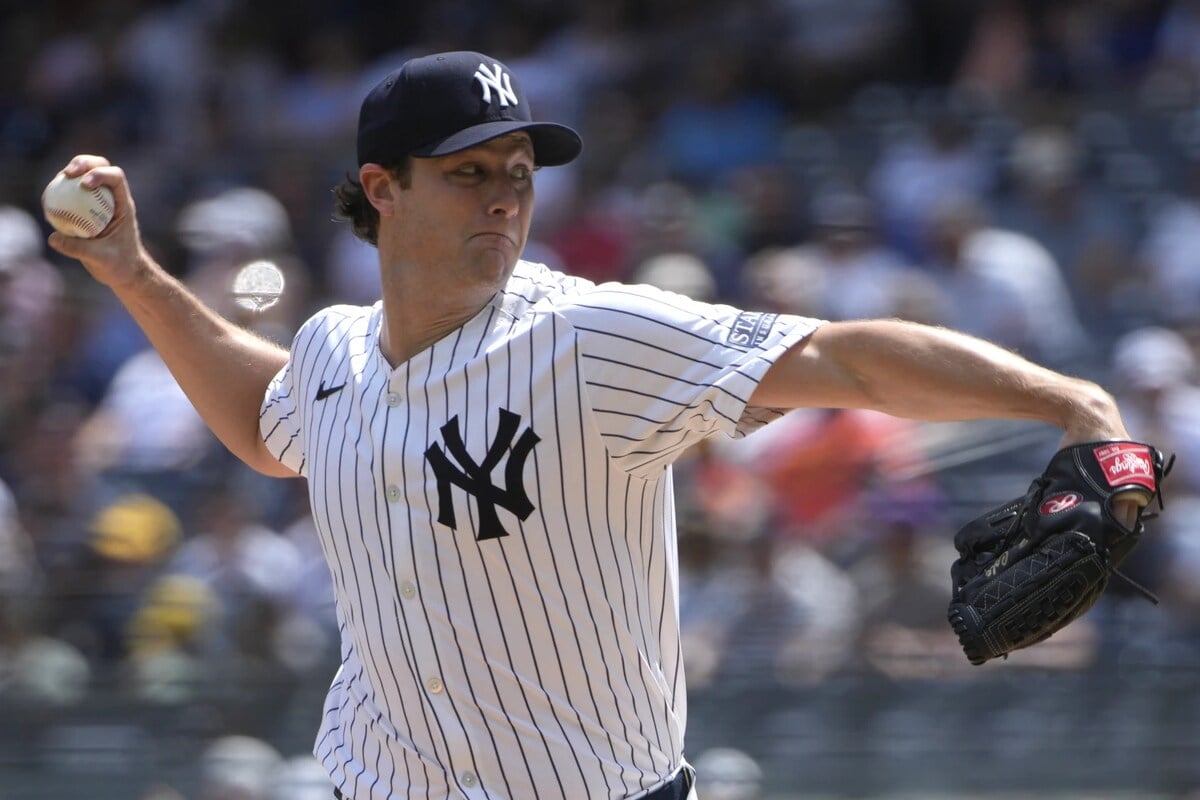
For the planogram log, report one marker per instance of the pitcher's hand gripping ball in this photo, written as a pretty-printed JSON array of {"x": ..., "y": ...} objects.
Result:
[
  {"x": 74, "y": 210},
  {"x": 1033, "y": 565}
]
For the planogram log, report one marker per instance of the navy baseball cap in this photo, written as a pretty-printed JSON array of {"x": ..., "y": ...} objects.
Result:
[{"x": 439, "y": 104}]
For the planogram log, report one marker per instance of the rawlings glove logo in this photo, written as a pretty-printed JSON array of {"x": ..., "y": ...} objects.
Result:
[
  {"x": 1127, "y": 463},
  {"x": 1060, "y": 503}
]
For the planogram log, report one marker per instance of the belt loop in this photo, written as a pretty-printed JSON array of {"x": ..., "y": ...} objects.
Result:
[
  {"x": 689, "y": 780},
  {"x": 677, "y": 788}
]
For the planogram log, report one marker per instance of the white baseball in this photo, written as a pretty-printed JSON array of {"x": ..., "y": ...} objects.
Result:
[{"x": 75, "y": 211}]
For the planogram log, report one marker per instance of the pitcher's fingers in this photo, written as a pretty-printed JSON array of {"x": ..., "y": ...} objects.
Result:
[
  {"x": 69, "y": 246},
  {"x": 83, "y": 163},
  {"x": 105, "y": 175},
  {"x": 1126, "y": 511},
  {"x": 114, "y": 179}
]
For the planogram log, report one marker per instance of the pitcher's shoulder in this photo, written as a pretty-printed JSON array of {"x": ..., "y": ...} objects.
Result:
[
  {"x": 531, "y": 283},
  {"x": 339, "y": 323}
]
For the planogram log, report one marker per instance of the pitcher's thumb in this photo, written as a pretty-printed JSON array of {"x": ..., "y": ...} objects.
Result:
[{"x": 70, "y": 246}]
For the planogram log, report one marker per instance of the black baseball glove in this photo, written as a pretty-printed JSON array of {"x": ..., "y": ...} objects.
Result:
[{"x": 1036, "y": 563}]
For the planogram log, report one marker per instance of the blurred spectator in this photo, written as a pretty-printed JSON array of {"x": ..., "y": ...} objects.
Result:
[
  {"x": 681, "y": 273},
  {"x": 168, "y": 52},
  {"x": 862, "y": 278},
  {"x": 904, "y": 584},
  {"x": 235, "y": 224},
  {"x": 999, "y": 57},
  {"x": 161, "y": 792},
  {"x": 301, "y": 778},
  {"x": 599, "y": 242},
  {"x": 1087, "y": 232},
  {"x": 168, "y": 639},
  {"x": 82, "y": 97},
  {"x": 751, "y": 603},
  {"x": 31, "y": 292},
  {"x": 714, "y": 123},
  {"x": 33, "y": 667},
  {"x": 1178, "y": 36},
  {"x": 722, "y": 511},
  {"x": 920, "y": 167},
  {"x": 728, "y": 774},
  {"x": 239, "y": 767},
  {"x": 1179, "y": 579},
  {"x": 820, "y": 465},
  {"x": 1168, "y": 252},
  {"x": 815, "y": 638},
  {"x": 308, "y": 636},
  {"x": 1085, "y": 47},
  {"x": 763, "y": 206},
  {"x": 18, "y": 565},
  {"x": 672, "y": 218},
  {"x": 1001, "y": 285},
  {"x": 250, "y": 569},
  {"x": 32, "y": 285},
  {"x": 835, "y": 44},
  {"x": 592, "y": 52},
  {"x": 320, "y": 102},
  {"x": 786, "y": 281},
  {"x": 224, "y": 232},
  {"x": 755, "y": 609},
  {"x": 55, "y": 497},
  {"x": 146, "y": 433},
  {"x": 352, "y": 269},
  {"x": 43, "y": 670},
  {"x": 130, "y": 538}
]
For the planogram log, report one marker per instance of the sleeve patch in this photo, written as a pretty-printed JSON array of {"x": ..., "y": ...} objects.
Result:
[{"x": 750, "y": 329}]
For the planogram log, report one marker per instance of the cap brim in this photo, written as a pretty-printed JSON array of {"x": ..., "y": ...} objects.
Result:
[{"x": 553, "y": 144}]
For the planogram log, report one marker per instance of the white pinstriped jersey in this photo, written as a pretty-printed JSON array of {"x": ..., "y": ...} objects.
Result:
[{"x": 498, "y": 518}]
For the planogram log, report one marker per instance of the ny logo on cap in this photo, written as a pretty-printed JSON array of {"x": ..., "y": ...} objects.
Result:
[{"x": 497, "y": 79}]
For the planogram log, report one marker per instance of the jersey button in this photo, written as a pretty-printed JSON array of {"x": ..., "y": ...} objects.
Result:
[
  {"x": 468, "y": 779},
  {"x": 434, "y": 685},
  {"x": 408, "y": 590},
  {"x": 393, "y": 399},
  {"x": 393, "y": 493}
]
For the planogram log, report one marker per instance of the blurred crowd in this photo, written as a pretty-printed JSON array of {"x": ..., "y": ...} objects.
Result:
[{"x": 1028, "y": 172}]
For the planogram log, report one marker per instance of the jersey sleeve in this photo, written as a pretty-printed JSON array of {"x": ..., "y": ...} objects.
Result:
[
  {"x": 279, "y": 421},
  {"x": 281, "y": 418},
  {"x": 664, "y": 371}
]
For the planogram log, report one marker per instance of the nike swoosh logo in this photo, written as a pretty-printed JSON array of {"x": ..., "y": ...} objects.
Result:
[{"x": 322, "y": 392}]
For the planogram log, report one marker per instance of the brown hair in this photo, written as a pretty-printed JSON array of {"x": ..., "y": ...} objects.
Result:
[{"x": 351, "y": 202}]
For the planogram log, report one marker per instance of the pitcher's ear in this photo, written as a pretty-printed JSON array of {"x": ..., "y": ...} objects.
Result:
[{"x": 376, "y": 183}]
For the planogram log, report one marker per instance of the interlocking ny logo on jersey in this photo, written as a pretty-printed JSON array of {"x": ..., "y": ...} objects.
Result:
[
  {"x": 476, "y": 479},
  {"x": 496, "y": 78}
]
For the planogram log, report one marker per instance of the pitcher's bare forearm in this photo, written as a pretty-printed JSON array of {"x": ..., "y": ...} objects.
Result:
[
  {"x": 222, "y": 368},
  {"x": 933, "y": 374}
]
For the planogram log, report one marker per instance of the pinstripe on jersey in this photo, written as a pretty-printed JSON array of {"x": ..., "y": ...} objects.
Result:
[{"x": 543, "y": 661}]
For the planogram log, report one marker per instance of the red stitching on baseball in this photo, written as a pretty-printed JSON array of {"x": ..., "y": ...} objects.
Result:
[
  {"x": 79, "y": 222},
  {"x": 102, "y": 199}
]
